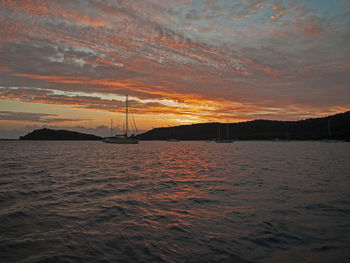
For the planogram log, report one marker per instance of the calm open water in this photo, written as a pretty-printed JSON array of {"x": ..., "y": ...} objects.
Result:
[{"x": 174, "y": 202}]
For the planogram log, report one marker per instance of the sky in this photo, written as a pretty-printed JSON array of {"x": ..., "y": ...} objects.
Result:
[{"x": 70, "y": 64}]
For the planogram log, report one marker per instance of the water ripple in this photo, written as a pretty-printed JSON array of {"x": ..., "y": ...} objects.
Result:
[{"x": 183, "y": 202}]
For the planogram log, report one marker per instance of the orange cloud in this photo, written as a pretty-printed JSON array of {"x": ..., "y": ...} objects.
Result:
[
  {"x": 4, "y": 68},
  {"x": 31, "y": 7},
  {"x": 306, "y": 71},
  {"x": 268, "y": 70},
  {"x": 198, "y": 108},
  {"x": 111, "y": 84},
  {"x": 310, "y": 27},
  {"x": 132, "y": 48}
]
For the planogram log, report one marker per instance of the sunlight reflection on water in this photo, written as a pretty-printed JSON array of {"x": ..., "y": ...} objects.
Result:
[{"x": 186, "y": 201}]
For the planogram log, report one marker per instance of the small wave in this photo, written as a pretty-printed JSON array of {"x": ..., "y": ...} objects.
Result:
[
  {"x": 326, "y": 208},
  {"x": 199, "y": 200},
  {"x": 178, "y": 228},
  {"x": 15, "y": 215},
  {"x": 325, "y": 248},
  {"x": 60, "y": 258},
  {"x": 11, "y": 165},
  {"x": 108, "y": 213}
]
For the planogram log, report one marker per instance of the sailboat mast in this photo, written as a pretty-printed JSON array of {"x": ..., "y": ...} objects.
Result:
[
  {"x": 286, "y": 134},
  {"x": 111, "y": 127},
  {"x": 126, "y": 116},
  {"x": 228, "y": 136}
]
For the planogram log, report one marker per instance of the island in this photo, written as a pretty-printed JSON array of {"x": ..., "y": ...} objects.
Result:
[
  {"x": 335, "y": 127},
  {"x": 49, "y": 134}
]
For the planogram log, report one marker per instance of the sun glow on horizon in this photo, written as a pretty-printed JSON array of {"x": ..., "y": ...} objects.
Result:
[{"x": 183, "y": 62}]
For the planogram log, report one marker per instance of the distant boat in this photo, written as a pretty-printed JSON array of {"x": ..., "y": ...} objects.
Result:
[
  {"x": 123, "y": 139},
  {"x": 222, "y": 140},
  {"x": 329, "y": 134},
  {"x": 172, "y": 140},
  {"x": 173, "y": 136},
  {"x": 285, "y": 137}
]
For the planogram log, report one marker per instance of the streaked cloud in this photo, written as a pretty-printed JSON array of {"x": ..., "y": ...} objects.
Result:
[
  {"x": 34, "y": 117},
  {"x": 195, "y": 60}
]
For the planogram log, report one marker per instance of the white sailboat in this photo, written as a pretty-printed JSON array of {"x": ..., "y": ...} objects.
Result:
[{"x": 123, "y": 139}]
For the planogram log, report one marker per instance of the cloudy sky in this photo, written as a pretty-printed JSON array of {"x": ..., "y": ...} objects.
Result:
[{"x": 70, "y": 63}]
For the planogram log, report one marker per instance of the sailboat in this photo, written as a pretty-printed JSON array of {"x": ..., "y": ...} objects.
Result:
[
  {"x": 286, "y": 139},
  {"x": 173, "y": 138},
  {"x": 222, "y": 140},
  {"x": 329, "y": 134},
  {"x": 123, "y": 139}
]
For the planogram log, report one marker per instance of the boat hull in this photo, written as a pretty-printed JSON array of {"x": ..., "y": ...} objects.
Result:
[
  {"x": 224, "y": 141},
  {"x": 121, "y": 140},
  {"x": 172, "y": 140}
]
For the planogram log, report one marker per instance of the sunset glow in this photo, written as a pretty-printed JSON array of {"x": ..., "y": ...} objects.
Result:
[{"x": 71, "y": 63}]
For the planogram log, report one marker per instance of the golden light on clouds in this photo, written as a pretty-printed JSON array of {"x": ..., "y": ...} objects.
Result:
[{"x": 180, "y": 61}]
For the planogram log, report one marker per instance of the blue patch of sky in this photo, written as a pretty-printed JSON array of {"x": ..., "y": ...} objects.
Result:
[
  {"x": 209, "y": 20},
  {"x": 220, "y": 13},
  {"x": 325, "y": 8},
  {"x": 322, "y": 8},
  {"x": 337, "y": 12}
]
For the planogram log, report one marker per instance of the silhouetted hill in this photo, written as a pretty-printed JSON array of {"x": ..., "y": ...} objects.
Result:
[
  {"x": 48, "y": 134},
  {"x": 310, "y": 129}
]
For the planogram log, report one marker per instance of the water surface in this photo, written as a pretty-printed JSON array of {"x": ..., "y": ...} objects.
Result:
[{"x": 174, "y": 202}]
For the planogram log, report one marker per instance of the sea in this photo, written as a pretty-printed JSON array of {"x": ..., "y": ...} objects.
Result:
[{"x": 247, "y": 201}]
